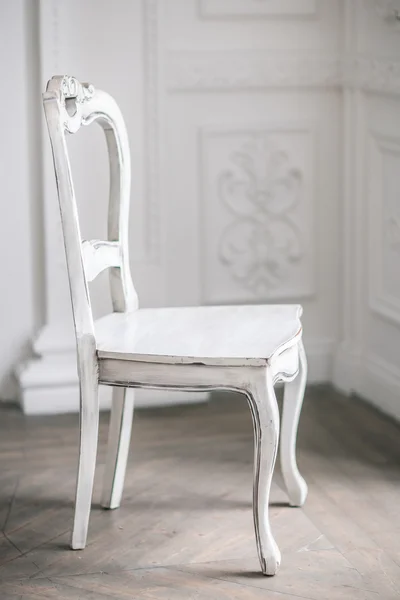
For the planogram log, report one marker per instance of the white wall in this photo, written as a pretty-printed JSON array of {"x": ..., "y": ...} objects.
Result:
[
  {"x": 21, "y": 297},
  {"x": 250, "y": 106},
  {"x": 216, "y": 93},
  {"x": 201, "y": 83},
  {"x": 368, "y": 359}
]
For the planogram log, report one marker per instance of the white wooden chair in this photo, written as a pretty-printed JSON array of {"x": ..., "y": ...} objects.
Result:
[{"x": 242, "y": 348}]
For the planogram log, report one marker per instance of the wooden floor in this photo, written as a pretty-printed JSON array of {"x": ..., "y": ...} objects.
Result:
[{"x": 185, "y": 529}]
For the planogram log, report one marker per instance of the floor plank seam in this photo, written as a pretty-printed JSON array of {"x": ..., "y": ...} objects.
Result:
[
  {"x": 27, "y": 552},
  {"x": 187, "y": 507},
  {"x": 12, "y": 544},
  {"x": 239, "y": 583},
  {"x": 10, "y": 505},
  {"x": 73, "y": 587}
]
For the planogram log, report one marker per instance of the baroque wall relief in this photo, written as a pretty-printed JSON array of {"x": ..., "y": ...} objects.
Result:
[
  {"x": 258, "y": 219},
  {"x": 260, "y": 191}
]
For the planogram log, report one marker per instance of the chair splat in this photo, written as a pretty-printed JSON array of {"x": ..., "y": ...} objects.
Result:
[{"x": 98, "y": 255}]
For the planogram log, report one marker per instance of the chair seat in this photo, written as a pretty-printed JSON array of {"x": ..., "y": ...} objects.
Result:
[{"x": 211, "y": 335}]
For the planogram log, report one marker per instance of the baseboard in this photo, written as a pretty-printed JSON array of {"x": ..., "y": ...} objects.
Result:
[
  {"x": 49, "y": 382},
  {"x": 345, "y": 369},
  {"x": 65, "y": 399},
  {"x": 379, "y": 384},
  {"x": 319, "y": 357},
  {"x": 372, "y": 378}
]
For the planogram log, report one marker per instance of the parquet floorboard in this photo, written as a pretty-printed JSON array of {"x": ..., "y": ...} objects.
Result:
[{"x": 185, "y": 527}]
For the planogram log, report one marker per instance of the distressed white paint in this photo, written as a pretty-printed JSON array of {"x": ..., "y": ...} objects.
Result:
[
  {"x": 98, "y": 255},
  {"x": 230, "y": 335},
  {"x": 119, "y": 437},
  {"x": 247, "y": 349}
]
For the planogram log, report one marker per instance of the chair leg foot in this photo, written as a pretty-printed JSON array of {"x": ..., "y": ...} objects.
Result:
[
  {"x": 118, "y": 446},
  {"x": 270, "y": 566},
  {"x": 292, "y": 402},
  {"x": 265, "y": 414}
]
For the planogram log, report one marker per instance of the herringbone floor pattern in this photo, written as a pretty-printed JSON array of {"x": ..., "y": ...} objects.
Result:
[{"x": 185, "y": 528}]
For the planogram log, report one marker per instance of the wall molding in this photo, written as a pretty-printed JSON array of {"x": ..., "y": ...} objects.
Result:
[
  {"x": 264, "y": 155},
  {"x": 233, "y": 70},
  {"x": 372, "y": 74},
  {"x": 271, "y": 168},
  {"x": 151, "y": 34},
  {"x": 253, "y": 9},
  {"x": 384, "y": 228}
]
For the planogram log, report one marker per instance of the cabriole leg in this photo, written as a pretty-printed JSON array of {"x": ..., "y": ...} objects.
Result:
[
  {"x": 292, "y": 403},
  {"x": 265, "y": 414}
]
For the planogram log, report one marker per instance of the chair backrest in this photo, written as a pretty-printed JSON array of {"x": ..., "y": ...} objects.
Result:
[{"x": 68, "y": 105}]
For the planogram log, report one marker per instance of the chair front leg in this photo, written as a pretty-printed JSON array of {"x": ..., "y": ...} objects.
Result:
[
  {"x": 292, "y": 403},
  {"x": 265, "y": 415},
  {"x": 119, "y": 437},
  {"x": 89, "y": 429}
]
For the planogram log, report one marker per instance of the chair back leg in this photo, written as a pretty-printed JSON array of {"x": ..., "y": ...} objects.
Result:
[
  {"x": 89, "y": 430},
  {"x": 119, "y": 438}
]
